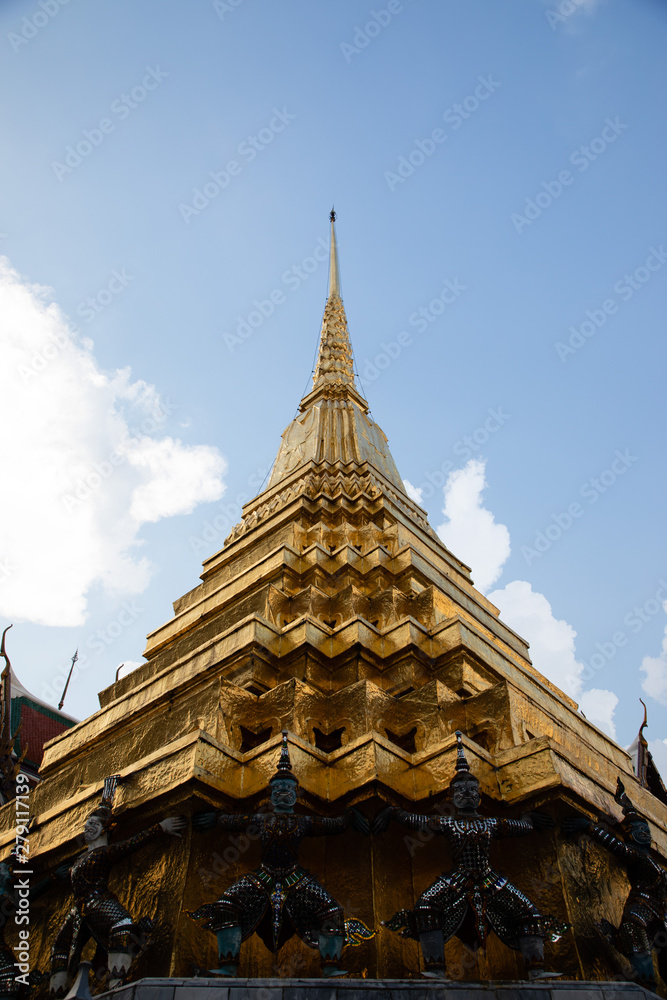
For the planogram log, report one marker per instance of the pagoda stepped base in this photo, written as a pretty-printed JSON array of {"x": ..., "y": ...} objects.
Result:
[{"x": 374, "y": 989}]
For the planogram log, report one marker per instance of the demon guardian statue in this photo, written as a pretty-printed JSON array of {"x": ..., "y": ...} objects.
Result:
[
  {"x": 472, "y": 895},
  {"x": 279, "y": 897},
  {"x": 643, "y": 923},
  {"x": 97, "y": 913}
]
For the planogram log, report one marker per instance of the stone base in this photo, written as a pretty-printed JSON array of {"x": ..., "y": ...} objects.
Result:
[{"x": 374, "y": 989}]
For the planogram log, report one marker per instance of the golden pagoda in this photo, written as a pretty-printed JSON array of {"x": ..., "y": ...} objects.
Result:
[{"x": 335, "y": 611}]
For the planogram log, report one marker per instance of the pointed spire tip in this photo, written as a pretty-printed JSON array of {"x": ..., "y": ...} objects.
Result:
[
  {"x": 334, "y": 361},
  {"x": 334, "y": 272}
]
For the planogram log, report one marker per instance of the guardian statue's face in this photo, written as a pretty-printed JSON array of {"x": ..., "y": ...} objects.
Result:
[
  {"x": 640, "y": 834},
  {"x": 465, "y": 796},
  {"x": 283, "y": 795},
  {"x": 93, "y": 829}
]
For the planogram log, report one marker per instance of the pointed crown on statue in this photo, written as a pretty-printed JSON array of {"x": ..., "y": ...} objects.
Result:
[
  {"x": 462, "y": 770},
  {"x": 631, "y": 816},
  {"x": 104, "y": 810},
  {"x": 284, "y": 771}
]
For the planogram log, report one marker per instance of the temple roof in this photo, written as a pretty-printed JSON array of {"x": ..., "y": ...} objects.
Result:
[{"x": 20, "y": 691}]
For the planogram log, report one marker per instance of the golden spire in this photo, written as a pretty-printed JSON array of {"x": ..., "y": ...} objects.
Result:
[
  {"x": 335, "y": 364},
  {"x": 334, "y": 272},
  {"x": 333, "y": 424}
]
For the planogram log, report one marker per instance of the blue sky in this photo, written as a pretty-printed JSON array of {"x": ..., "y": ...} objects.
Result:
[{"x": 498, "y": 171}]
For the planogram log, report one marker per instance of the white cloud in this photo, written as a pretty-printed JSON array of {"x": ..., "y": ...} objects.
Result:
[
  {"x": 472, "y": 534},
  {"x": 177, "y": 478},
  {"x": 551, "y": 639},
  {"x": 599, "y": 705},
  {"x": 552, "y": 649},
  {"x": 414, "y": 492},
  {"x": 83, "y": 465},
  {"x": 655, "y": 668},
  {"x": 470, "y": 530}
]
